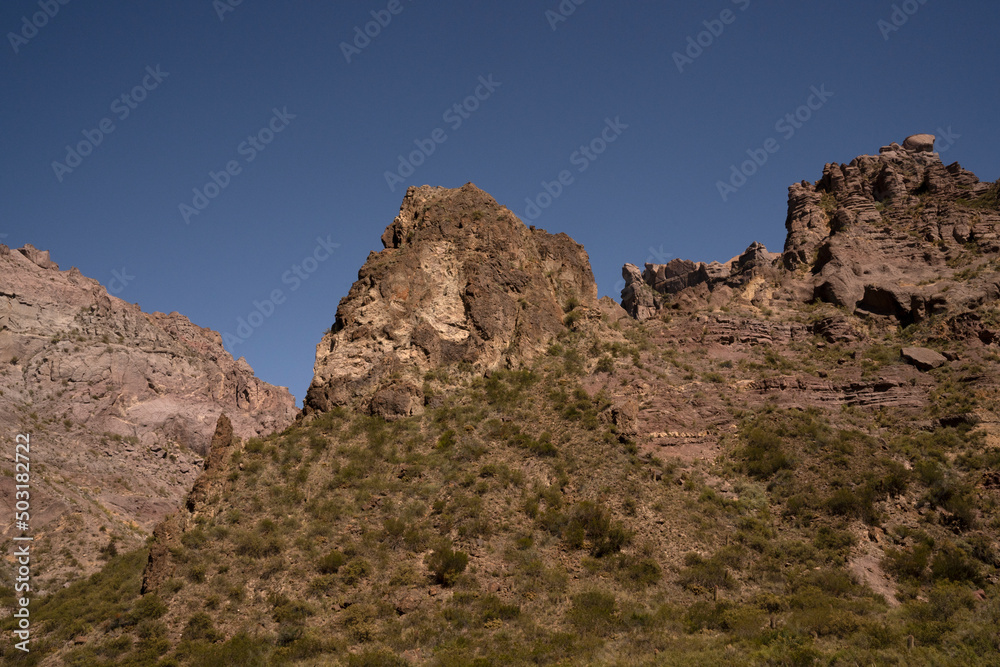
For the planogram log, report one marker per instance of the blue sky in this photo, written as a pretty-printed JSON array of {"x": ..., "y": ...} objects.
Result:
[{"x": 639, "y": 119}]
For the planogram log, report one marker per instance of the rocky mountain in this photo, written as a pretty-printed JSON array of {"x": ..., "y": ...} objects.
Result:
[
  {"x": 461, "y": 280},
  {"x": 897, "y": 234},
  {"x": 784, "y": 459},
  {"x": 120, "y": 406}
]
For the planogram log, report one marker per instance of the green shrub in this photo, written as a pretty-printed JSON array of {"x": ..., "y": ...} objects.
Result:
[
  {"x": 200, "y": 627},
  {"x": 594, "y": 611},
  {"x": 592, "y": 523},
  {"x": 446, "y": 564},
  {"x": 638, "y": 572},
  {"x": 356, "y": 570},
  {"x": 954, "y": 564},
  {"x": 907, "y": 564},
  {"x": 493, "y": 608},
  {"x": 705, "y": 573},
  {"x": 375, "y": 658},
  {"x": 605, "y": 365},
  {"x": 763, "y": 455},
  {"x": 255, "y": 545}
]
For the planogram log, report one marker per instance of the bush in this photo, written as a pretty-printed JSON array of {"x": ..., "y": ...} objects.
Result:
[
  {"x": 200, "y": 627},
  {"x": 638, "y": 572},
  {"x": 494, "y": 609},
  {"x": 356, "y": 570},
  {"x": 446, "y": 564},
  {"x": 594, "y": 611},
  {"x": 593, "y": 523},
  {"x": 705, "y": 573},
  {"x": 953, "y": 564},
  {"x": 605, "y": 365},
  {"x": 256, "y": 545},
  {"x": 763, "y": 456},
  {"x": 376, "y": 658},
  {"x": 330, "y": 563}
]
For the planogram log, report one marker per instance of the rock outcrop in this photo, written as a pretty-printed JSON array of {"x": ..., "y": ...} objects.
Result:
[
  {"x": 461, "y": 281},
  {"x": 120, "y": 405},
  {"x": 644, "y": 291},
  {"x": 897, "y": 235}
]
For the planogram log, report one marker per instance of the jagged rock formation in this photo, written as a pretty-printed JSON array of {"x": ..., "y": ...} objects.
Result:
[
  {"x": 461, "y": 280},
  {"x": 120, "y": 405},
  {"x": 898, "y": 235},
  {"x": 642, "y": 295}
]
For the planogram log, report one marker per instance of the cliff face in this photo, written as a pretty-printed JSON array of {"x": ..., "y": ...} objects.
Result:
[
  {"x": 897, "y": 234},
  {"x": 461, "y": 281},
  {"x": 120, "y": 405}
]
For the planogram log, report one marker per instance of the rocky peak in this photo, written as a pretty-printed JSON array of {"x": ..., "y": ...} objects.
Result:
[
  {"x": 461, "y": 281},
  {"x": 897, "y": 234}
]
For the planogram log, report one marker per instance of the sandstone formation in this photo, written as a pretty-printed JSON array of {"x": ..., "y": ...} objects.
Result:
[
  {"x": 461, "y": 281},
  {"x": 120, "y": 405}
]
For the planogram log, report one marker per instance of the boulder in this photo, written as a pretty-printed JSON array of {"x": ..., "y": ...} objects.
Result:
[
  {"x": 923, "y": 358},
  {"x": 920, "y": 143}
]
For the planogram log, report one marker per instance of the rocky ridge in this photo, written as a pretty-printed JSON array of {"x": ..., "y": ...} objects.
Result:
[{"x": 120, "y": 405}]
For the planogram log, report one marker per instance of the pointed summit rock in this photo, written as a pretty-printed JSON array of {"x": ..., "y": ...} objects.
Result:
[{"x": 461, "y": 281}]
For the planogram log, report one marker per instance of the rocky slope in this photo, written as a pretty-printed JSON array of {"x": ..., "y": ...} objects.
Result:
[
  {"x": 461, "y": 280},
  {"x": 120, "y": 405}
]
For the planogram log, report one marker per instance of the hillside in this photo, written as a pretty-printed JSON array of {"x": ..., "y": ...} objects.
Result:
[
  {"x": 120, "y": 406},
  {"x": 785, "y": 459}
]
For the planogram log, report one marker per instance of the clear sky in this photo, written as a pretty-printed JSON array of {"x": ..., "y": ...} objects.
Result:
[{"x": 300, "y": 116}]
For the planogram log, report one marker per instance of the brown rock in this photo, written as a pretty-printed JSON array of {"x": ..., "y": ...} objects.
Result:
[
  {"x": 220, "y": 451},
  {"x": 923, "y": 143},
  {"x": 923, "y": 358}
]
